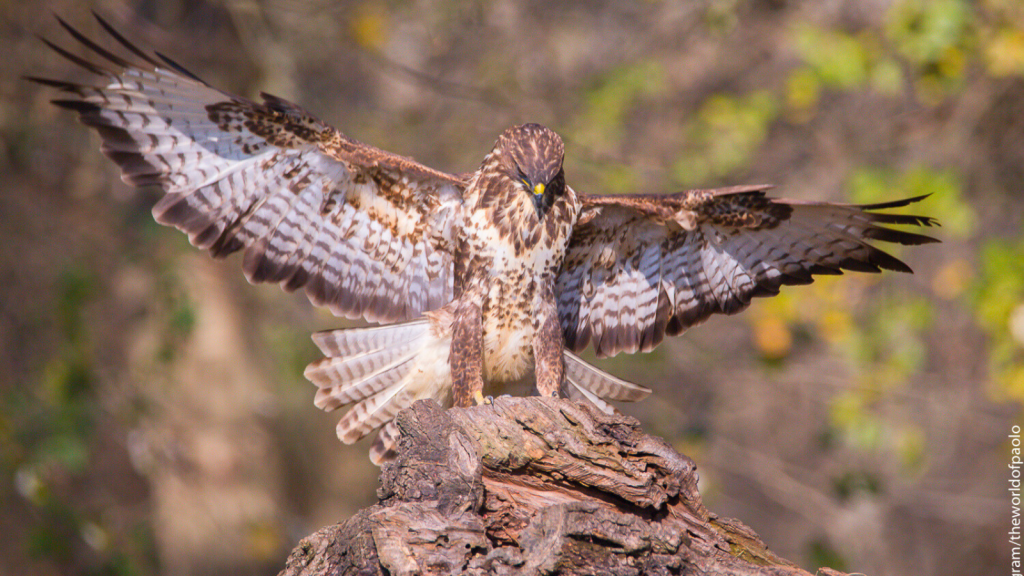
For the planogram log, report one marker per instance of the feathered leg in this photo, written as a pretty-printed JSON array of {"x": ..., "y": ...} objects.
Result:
[
  {"x": 467, "y": 354},
  {"x": 547, "y": 349}
]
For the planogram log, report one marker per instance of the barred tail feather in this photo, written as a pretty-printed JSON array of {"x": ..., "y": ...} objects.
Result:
[
  {"x": 382, "y": 370},
  {"x": 353, "y": 341},
  {"x": 597, "y": 382},
  {"x": 331, "y": 398},
  {"x": 385, "y": 447},
  {"x": 347, "y": 379},
  {"x": 576, "y": 393},
  {"x": 375, "y": 411}
]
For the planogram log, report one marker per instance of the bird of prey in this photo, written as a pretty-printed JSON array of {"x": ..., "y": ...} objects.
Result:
[{"x": 476, "y": 279}]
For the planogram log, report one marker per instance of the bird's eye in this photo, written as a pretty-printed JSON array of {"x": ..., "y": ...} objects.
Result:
[{"x": 525, "y": 182}]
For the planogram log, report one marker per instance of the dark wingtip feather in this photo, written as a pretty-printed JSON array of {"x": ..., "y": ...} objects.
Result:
[
  {"x": 824, "y": 270},
  {"x": 94, "y": 46},
  {"x": 883, "y": 259},
  {"x": 766, "y": 290},
  {"x": 896, "y": 265},
  {"x": 80, "y": 106},
  {"x": 123, "y": 41},
  {"x": 77, "y": 60},
  {"x": 857, "y": 265},
  {"x": 898, "y": 236},
  {"x": 894, "y": 203},
  {"x": 110, "y": 55},
  {"x": 797, "y": 278},
  {"x": 903, "y": 219},
  {"x": 180, "y": 69},
  {"x": 59, "y": 84},
  {"x": 887, "y": 261}
]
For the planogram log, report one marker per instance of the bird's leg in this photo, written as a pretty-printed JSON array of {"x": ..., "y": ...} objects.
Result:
[
  {"x": 548, "y": 348},
  {"x": 467, "y": 355}
]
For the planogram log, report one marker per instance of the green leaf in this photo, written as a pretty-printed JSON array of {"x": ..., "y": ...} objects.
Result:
[
  {"x": 838, "y": 59},
  {"x": 725, "y": 135},
  {"x": 925, "y": 30}
]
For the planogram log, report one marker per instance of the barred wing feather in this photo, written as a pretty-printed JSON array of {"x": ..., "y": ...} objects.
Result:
[
  {"x": 364, "y": 231},
  {"x": 641, "y": 267}
]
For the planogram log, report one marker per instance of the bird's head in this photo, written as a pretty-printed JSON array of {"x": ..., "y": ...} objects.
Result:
[{"x": 531, "y": 156}]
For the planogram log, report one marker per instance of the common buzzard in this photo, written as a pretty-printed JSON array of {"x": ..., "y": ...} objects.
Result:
[{"x": 478, "y": 279}]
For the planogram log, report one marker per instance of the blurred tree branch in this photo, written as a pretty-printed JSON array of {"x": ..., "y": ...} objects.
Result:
[{"x": 534, "y": 486}]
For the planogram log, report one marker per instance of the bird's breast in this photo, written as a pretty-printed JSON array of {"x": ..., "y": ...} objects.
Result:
[
  {"x": 513, "y": 252},
  {"x": 508, "y": 327}
]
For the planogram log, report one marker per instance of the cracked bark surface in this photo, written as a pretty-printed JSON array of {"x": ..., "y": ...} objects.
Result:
[{"x": 534, "y": 486}]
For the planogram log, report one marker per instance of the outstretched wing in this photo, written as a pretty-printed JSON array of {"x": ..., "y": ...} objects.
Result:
[
  {"x": 366, "y": 232},
  {"x": 640, "y": 267}
]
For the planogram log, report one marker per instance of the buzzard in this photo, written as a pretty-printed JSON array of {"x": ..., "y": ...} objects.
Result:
[{"x": 477, "y": 280}]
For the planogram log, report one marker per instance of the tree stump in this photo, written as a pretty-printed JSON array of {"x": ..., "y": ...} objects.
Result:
[{"x": 534, "y": 486}]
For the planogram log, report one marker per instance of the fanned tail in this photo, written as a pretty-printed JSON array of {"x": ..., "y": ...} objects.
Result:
[{"x": 381, "y": 370}]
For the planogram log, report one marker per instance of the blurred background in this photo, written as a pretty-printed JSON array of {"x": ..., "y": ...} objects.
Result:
[{"x": 153, "y": 414}]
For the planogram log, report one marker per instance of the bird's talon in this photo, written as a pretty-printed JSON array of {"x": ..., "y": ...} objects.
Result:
[{"x": 478, "y": 397}]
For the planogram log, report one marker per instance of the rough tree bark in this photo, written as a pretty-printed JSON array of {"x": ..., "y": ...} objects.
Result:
[{"x": 534, "y": 486}]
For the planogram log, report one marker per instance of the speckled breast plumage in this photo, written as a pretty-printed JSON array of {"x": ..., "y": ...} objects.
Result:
[{"x": 515, "y": 259}]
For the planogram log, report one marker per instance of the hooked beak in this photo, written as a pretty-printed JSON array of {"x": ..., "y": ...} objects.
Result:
[{"x": 538, "y": 199}]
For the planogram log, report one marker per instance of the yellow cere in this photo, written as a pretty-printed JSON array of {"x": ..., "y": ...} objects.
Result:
[{"x": 538, "y": 189}]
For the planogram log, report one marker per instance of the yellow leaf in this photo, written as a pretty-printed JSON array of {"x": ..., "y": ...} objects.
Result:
[
  {"x": 835, "y": 325},
  {"x": 1004, "y": 54},
  {"x": 802, "y": 88},
  {"x": 369, "y": 25},
  {"x": 772, "y": 337},
  {"x": 952, "y": 279},
  {"x": 1008, "y": 385}
]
